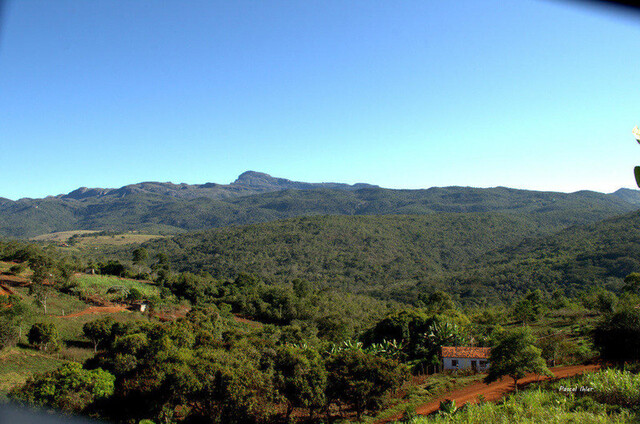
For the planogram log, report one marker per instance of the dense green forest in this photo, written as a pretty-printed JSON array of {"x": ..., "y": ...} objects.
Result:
[
  {"x": 484, "y": 257},
  {"x": 594, "y": 255}
]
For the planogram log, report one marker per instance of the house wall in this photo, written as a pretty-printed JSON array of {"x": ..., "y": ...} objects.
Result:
[{"x": 463, "y": 363}]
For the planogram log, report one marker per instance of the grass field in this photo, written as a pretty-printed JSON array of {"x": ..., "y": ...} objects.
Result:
[
  {"x": 98, "y": 285},
  {"x": 61, "y": 236},
  {"x": 91, "y": 238},
  {"x": 115, "y": 240}
]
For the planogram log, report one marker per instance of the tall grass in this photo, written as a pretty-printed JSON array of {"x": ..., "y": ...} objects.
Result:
[
  {"x": 614, "y": 387},
  {"x": 533, "y": 407}
]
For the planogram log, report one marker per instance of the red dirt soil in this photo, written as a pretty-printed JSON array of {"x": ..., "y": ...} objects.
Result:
[
  {"x": 172, "y": 315},
  {"x": 5, "y": 291},
  {"x": 96, "y": 310},
  {"x": 238, "y": 318},
  {"x": 493, "y": 391}
]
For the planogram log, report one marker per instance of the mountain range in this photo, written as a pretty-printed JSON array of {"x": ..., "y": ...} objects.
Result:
[{"x": 255, "y": 197}]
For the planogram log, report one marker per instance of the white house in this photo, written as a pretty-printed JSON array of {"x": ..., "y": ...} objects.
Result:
[{"x": 465, "y": 357}]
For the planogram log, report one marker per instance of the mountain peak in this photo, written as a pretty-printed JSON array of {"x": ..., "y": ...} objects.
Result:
[
  {"x": 255, "y": 178},
  {"x": 84, "y": 192}
]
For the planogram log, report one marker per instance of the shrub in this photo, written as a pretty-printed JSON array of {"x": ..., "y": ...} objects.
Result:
[
  {"x": 44, "y": 336},
  {"x": 69, "y": 388}
]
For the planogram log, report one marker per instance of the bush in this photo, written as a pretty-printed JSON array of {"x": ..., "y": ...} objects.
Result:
[
  {"x": 44, "y": 336},
  {"x": 69, "y": 388},
  {"x": 134, "y": 294}
]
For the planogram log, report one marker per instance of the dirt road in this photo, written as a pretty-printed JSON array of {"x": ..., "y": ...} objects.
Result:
[
  {"x": 96, "y": 310},
  {"x": 493, "y": 391}
]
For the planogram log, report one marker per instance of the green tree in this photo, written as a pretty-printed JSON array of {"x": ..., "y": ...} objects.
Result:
[
  {"x": 134, "y": 294},
  {"x": 439, "y": 301},
  {"x": 140, "y": 256},
  {"x": 69, "y": 388},
  {"x": 14, "y": 312},
  {"x": 515, "y": 355},
  {"x": 360, "y": 379},
  {"x": 529, "y": 308},
  {"x": 99, "y": 331},
  {"x": 44, "y": 336},
  {"x": 420, "y": 334},
  {"x": 300, "y": 377},
  {"x": 301, "y": 288},
  {"x": 42, "y": 278},
  {"x": 632, "y": 283}
]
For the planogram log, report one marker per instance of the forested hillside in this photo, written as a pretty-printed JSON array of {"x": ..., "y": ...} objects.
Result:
[
  {"x": 474, "y": 256},
  {"x": 599, "y": 254},
  {"x": 256, "y": 197},
  {"x": 366, "y": 252}
]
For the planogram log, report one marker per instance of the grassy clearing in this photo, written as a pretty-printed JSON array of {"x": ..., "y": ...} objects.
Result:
[
  {"x": 17, "y": 364},
  {"x": 69, "y": 329},
  {"x": 92, "y": 238},
  {"x": 114, "y": 240},
  {"x": 61, "y": 236},
  {"x": 98, "y": 285},
  {"x": 57, "y": 303}
]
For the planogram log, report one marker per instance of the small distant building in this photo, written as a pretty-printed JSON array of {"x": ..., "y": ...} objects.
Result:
[
  {"x": 465, "y": 357},
  {"x": 139, "y": 306}
]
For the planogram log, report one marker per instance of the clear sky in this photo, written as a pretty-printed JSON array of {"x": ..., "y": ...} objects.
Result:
[{"x": 404, "y": 94}]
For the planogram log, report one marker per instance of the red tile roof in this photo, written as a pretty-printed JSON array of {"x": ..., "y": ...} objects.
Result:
[{"x": 465, "y": 352}]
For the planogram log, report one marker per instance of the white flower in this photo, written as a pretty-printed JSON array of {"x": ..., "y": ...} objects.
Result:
[{"x": 636, "y": 133}]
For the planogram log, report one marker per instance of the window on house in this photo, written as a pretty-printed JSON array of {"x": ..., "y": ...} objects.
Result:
[
  {"x": 454, "y": 362},
  {"x": 483, "y": 363}
]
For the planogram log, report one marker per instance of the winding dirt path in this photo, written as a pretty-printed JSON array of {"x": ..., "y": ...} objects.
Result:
[
  {"x": 491, "y": 392},
  {"x": 96, "y": 310}
]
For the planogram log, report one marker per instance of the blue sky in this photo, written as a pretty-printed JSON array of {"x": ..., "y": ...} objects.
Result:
[{"x": 404, "y": 94}]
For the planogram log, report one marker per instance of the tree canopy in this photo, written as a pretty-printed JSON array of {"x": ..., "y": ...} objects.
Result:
[{"x": 515, "y": 355}]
